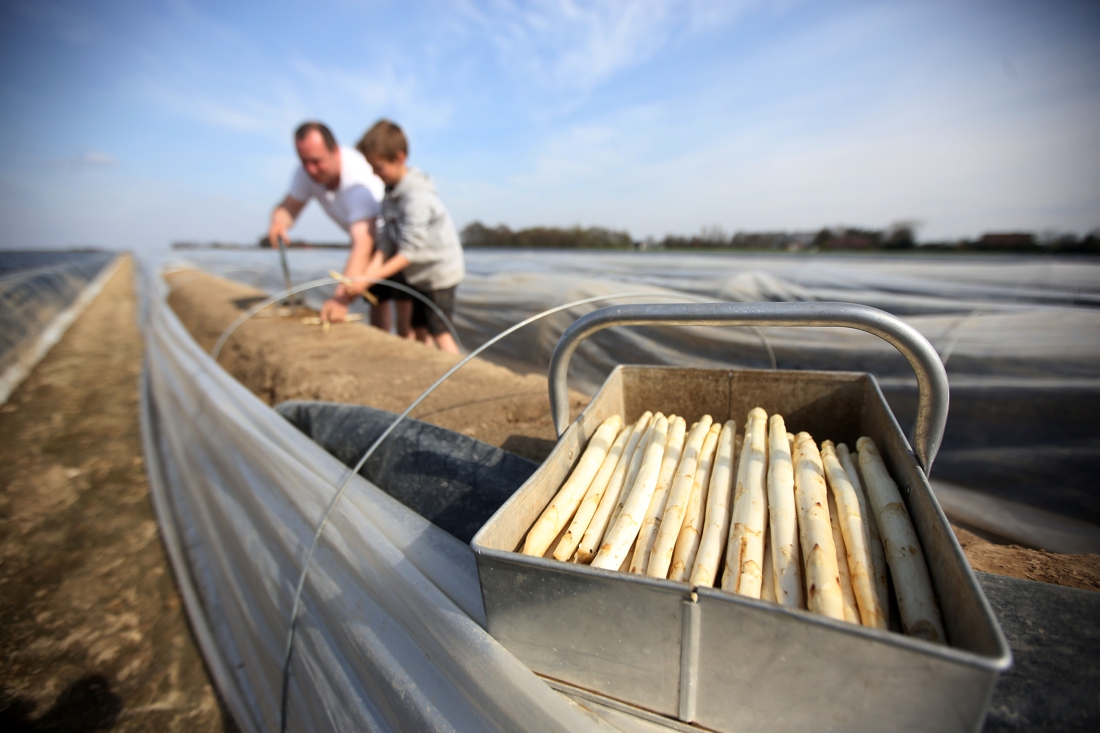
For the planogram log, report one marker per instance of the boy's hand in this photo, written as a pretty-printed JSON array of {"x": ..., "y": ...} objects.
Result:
[
  {"x": 342, "y": 293},
  {"x": 334, "y": 311}
]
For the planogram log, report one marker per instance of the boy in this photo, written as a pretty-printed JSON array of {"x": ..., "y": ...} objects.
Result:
[{"x": 418, "y": 237}]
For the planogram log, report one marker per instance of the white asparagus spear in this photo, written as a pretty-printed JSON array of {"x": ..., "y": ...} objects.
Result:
[
  {"x": 631, "y": 475},
  {"x": 716, "y": 530},
  {"x": 569, "y": 541},
  {"x": 745, "y": 546},
  {"x": 738, "y": 449},
  {"x": 674, "y": 447},
  {"x": 853, "y": 527},
  {"x": 851, "y": 607},
  {"x": 874, "y": 542},
  {"x": 790, "y": 442},
  {"x": 687, "y": 542},
  {"x": 660, "y": 556},
  {"x": 920, "y": 615},
  {"x": 767, "y": 589},
  {"x": 316, "y": 320},
  {"x": 564, "y": 505},
  {"x": 818, "y": 553},
  {"x": 625, "y": 530},
  {"x": 586, "y": 550},
  {"x": 783, "y": 517}
]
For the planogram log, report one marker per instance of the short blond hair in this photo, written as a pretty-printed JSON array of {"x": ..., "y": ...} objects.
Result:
[{"x": 383, "y": 140}]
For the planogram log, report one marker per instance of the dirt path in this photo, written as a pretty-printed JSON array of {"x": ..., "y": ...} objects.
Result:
[{"x": 92, "y": 635}]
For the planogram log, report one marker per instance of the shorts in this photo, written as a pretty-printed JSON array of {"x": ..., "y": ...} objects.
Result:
[
  {"x": 425, "y": 317},
  {"x": 385, "y": 292}
]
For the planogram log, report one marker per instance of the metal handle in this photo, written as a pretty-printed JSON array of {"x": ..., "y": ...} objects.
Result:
[{"x": 931, "y": 376}]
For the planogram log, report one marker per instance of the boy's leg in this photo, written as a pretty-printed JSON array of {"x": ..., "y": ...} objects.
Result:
[
  {"x": 381, "y": 316},
  {"x": 446, "y": 342},
  {"x": 404, "y": 319},
  {"x": 424, "y": 336},
  {"x": 429, "y": 326}
]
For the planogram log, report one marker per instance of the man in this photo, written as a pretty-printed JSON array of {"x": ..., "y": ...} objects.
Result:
[{"x": 347, "y": 189}]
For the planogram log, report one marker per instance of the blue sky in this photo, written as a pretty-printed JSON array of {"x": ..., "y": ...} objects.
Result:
[{"x": 138, "y": 123}]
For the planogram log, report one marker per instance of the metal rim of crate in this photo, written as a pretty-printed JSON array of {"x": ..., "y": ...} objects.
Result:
[{"x": 932, "y": 384}]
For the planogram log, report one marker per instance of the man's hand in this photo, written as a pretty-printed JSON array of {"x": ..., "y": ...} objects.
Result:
[
  {"x": 277, "y": 231},
  {"x": 354, "y": 288},
  {"x": 334, "y": 311},
  {"x": 282, "y": 219}
]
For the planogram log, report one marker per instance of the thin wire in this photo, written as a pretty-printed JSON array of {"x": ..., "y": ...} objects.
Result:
[
  {"x": 956, "y": 334},
  {"x": 378, "y": 441},
  {"x": 217, "y": 350},
  {"x": 767, "y": 346}
]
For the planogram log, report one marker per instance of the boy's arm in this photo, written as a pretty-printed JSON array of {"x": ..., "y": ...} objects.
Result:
[{"x": 389, "y": 268}]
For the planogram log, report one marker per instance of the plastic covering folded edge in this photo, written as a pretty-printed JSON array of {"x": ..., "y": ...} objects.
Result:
[
  {"x": 14, "y": 375},
  {"x": 389, "y": 636},
  {"x": 200, "y": 628}
]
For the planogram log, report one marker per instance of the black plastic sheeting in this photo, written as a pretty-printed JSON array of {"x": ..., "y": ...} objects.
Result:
[
  {"x": 1055, "y": 642},
  {"x": 35, "y": 287},
  {"x": 453, "y": 481},
  {"x": 1034, "y": 446}
]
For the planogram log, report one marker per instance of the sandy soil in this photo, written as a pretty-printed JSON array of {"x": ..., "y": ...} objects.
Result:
[
  {"x": 1075, "y": 571},
  {"x": 281, "y": 359},
  {"x": 92, "y": 636}
]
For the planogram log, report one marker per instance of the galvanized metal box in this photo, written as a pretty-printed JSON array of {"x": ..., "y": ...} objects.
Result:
[{"x": 723, "y": 661}]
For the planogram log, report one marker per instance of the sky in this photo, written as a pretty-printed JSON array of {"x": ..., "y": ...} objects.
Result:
[{"x": 135, "y": 124}]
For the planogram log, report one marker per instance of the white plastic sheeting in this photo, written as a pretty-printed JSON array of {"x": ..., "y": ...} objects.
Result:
[
  {"x": 1020, "y": 336},
  {"x": 390, "y": 634},
  {"x": 41, "y": 294}
]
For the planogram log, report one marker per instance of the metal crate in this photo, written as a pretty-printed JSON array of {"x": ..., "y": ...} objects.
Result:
[{"x": 722, "y": 661}]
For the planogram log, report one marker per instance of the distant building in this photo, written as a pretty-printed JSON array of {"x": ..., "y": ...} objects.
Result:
[
  {"x": 851, "y": 241},
  {"x": 1006, "y": 241}
]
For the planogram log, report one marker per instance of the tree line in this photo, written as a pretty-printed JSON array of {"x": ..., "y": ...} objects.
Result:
[{"x": 897, "y": 237}]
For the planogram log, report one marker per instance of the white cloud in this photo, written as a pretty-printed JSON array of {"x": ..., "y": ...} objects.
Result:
[
  {"x": 573, "y": 47},
  {"x": 362, "y": 95}
]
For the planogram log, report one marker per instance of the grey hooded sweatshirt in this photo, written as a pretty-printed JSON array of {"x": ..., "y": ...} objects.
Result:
[{"x": 418, "y": 226}]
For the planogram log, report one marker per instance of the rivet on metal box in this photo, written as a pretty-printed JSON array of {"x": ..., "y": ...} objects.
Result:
[{"x": 726, "y": 662}]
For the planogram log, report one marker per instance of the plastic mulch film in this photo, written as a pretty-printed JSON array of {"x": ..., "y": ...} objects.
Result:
[
  {"x": 41, "y": 294},
  {"x": 390, "y": 633}
]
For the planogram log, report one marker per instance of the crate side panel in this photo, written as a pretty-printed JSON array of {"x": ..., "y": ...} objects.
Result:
[
  {"x": 609, "y": 635},
  {"x": 826, "y": 405},
  {"x": 689, "y": 393},
  {"x": 765, "y": 671}
]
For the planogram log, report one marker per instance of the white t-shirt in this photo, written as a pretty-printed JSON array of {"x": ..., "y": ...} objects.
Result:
[{"x": 358, "y": 197}]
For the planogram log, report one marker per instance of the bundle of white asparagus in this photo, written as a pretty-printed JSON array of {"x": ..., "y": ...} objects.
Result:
[{"x": 765, "y": 513}]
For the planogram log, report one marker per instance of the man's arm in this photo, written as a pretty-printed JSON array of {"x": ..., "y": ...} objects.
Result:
[
  {"x": 362, "y": 233},
  {"x": 283, "y": 218},
  {"x": 362, "y": 250}
]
